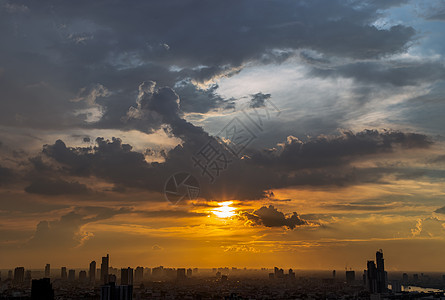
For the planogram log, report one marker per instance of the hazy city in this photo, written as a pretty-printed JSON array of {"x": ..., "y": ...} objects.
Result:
[
  {"x": 107, "y": 282},
  {"x": 222, "y": 149}
]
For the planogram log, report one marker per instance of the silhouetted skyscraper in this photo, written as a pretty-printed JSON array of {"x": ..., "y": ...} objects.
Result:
[
  {"x": 376, "y": 275},
  {"x": 189, "y": 272},
  {"x": 139, "y": 275},
  {"x": 180, "y": 274},
  {"x": 92, "y": 272},
  {"x": 48, "y": 271},
  {"x": 71, "y": 275},
  {"x": 42, "y": 289},
  {"x": 382, "y": 286},
  {"x": 104, "y": 269},
  {"x": 371, "y": 278},
  {"x": 405, "y": 278},
  {"x": 350, "y": 277},
  {"x": 127, "y": 276},
  {"x": 63, "y": 273},
  {"x": 19, "y": 275},
  {"x": 83, "y": 276},
  {"x": 28, "y": 277},
  {"x": 291, "y": 274}
]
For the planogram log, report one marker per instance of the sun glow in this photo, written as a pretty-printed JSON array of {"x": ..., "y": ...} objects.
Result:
[{"x": 224, "y": 210}]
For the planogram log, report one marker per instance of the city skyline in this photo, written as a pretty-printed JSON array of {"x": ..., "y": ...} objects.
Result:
[{"x": 245, "y": 133}]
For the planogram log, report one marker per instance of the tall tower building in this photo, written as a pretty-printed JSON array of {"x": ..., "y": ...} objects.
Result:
[
  {"x": 47, "y": 270},
  {"x": 180, "y": 274},
  {"x": 382, "y": 285},
  {"x": 371, "y": 278},
  {"x": 63, "y": 273},
  {"x": 92, "y": 273},
  {"x": 82, "y": 276},
  {"x": 139, "y": 275},
  {"x": 71, "y": 275},
  {"x": 19, "y": 275},
  {"x": 104, "y": 269},
  {"x": 127, "y": 276}
]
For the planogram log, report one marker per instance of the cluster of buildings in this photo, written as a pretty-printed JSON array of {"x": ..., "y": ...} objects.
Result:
[{"x": 110, "y": 283}]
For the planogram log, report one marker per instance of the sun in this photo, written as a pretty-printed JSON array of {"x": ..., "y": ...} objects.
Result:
[{"x": 224, "y": 210}]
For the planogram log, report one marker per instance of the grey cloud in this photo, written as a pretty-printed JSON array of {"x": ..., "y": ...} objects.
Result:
[
  {"x": 65, "y": 232},
  {"x": 271, "y": 217},
  {"x": 317, "y": 162},
  {"x": 440, "y": 210},
  {"x": 383, "y": 73},
  {"x": 60, "y": 48},
  {"x": 198, "y": 100},
  {"x": 330, "y": 151},
  {"x": 258, "y": 100},
  {"x": 51, "y": 187}
]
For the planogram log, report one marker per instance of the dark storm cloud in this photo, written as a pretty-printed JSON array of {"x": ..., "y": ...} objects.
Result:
[
  {"x": 198, "y": 100},
  {"x": 324, "y": 161},
  {"x": 51, "y": 187},
  {"x": 54, "y": 50},
  {"x": 271, "y": 217},
  {"x": 337, "y": 150}
]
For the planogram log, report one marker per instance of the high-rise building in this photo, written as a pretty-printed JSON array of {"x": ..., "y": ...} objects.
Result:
[
  {"x": 83, "y": 276},
  {"x": 127, "y": 276},
  {"x": 291, "y": 274},
  {"x": 278, "y": 273},
  {"x": 139, "y": 275},
  {"x": 48, "y": 271},
  {"x": 189, "y": 272},
  {"x": 92, "y": 272},
  {"x": 63, "y": 273},
  {"x": 147, "y": 272},
  {"x": 10, "y": 274},
  {"x": 28, "y": 277},
  {"x": 396, "y": 286},
  {"x": 71, "y": 275},
  {"x": 104, "y": 269},
  {"x": 112, "y": 278},
  {"x": 350, "y": 277},
  {"x": 157, "y": 272},
  {"x": 42, "y": 289},
  {"x": 371, "y": 278},
  {"x": 405, "y": 278},
  {"x": 376, "y": 275},
  {"x": 19, "y": 275},
  {"x": 180, "y": 274},
  {"x": 382, "y": 285}
]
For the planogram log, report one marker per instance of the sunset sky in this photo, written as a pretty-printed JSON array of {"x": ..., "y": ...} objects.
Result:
[{"x": 326, "y": 118}]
